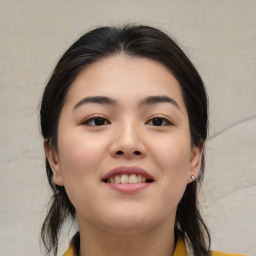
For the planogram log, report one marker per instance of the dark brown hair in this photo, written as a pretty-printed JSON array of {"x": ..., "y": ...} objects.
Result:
[{"x": 141, "y": 41}]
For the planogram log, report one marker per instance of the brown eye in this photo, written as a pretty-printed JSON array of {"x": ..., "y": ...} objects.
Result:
[
  {"x": 159, "y": 121},
  {"x": 96, "y": 121}
]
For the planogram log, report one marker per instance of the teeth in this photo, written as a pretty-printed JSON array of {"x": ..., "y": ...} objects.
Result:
[
  {"x": 125, "y": 179},
  {"x": 133, "y": 178},
  {"x": 117, "y": 179}
]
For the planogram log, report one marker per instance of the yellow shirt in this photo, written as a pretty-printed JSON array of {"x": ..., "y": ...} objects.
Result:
[{"x": 180, "y": 250}]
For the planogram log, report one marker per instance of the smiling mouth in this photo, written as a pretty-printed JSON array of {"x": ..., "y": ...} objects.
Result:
[{"x": 127, "y": 179}]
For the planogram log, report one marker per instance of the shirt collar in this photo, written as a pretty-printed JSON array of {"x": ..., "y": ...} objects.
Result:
[{"x": 180, "y": 249}]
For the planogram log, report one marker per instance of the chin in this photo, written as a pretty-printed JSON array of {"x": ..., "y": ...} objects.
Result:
[
  {"x": 126, "y": 227},
  {"x": 128, "y": 223}
]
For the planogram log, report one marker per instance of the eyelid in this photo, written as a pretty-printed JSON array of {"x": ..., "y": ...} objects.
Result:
[
  {"x": 93, "y": 117},
  {"x": 167, "y": 119}
]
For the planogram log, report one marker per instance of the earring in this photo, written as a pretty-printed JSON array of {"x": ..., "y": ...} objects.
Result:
[{"x": 192, "y": 177}]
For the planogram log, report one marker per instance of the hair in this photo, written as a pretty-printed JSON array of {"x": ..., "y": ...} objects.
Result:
[{"x": 137, "y": 41}]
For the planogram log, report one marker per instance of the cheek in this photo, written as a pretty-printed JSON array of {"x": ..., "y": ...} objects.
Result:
[
  {"x": 173, "y": 154},
  {"x": 175, "y": 166},
  {"x": 173, "y": 161},
  {"x": 80, "y": 158},
  {"x": 80, "y": 155}
]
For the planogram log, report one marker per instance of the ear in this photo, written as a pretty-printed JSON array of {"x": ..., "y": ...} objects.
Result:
[
  {"x": 53, "y": 160},
  {"x": 195, "y": 162}
]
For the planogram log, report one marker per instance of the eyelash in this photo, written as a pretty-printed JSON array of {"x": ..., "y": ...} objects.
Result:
[
  {"x": 94, "y": 119},
  {"x": 160, "y": 118},
  {"x": 106, "y": 122}
]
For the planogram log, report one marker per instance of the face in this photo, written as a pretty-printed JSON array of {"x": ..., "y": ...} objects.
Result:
[{"x": 124, "y": 148}]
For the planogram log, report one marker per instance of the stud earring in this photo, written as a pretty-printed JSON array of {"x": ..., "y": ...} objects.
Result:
[{"x": 192, "y": 177}]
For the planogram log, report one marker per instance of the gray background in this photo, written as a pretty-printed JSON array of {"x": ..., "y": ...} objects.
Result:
[{"x": 219, "y": 37}]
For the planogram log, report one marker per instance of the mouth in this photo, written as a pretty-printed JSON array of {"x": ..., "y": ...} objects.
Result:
[{"x": 128, "y": 179}]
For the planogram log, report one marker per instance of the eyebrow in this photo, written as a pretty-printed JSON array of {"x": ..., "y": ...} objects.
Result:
[
  {"x": 159, "y": 99},
  {"x": 96, "y": 99},
  {"x": 110, "y": 101}
]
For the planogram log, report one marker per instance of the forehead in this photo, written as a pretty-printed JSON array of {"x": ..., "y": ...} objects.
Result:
[{"x": 125, "y": 77}]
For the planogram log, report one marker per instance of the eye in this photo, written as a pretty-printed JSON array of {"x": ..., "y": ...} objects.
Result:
[
  {"x": 159, "y": 121},
  {"x": 96, "y": 121}
]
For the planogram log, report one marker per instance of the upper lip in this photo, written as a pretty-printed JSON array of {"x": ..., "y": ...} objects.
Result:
[{"x": 127, "y": 170}]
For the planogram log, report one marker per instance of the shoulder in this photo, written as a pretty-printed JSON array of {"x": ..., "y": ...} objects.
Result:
[
  {"x": 73, "y": 249},
  {"x": 70, "y": 251},
  {"x": 216, "y": 253},
  {"x": 183, "y": 250}
]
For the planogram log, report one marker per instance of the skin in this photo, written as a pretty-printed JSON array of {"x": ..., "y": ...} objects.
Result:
[{"x": 111, "y": 222}]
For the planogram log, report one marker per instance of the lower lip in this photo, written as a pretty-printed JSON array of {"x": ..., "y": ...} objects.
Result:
[{"x": 128, "y": 188}]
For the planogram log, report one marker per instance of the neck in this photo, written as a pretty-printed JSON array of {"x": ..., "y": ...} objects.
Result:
[{"x": 157, "y": 241}]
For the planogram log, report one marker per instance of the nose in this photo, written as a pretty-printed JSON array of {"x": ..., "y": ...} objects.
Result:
[{"x": 128, "y": 142}]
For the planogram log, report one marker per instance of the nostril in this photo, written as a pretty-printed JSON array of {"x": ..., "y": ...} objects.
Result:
[{"x": 135, "y": 153}]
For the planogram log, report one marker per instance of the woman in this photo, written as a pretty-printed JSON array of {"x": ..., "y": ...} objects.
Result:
[{"x": 124, "y": 121}]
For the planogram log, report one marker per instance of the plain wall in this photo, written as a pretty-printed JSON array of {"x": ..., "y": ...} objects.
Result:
[{"x": 218, "y": 36}]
